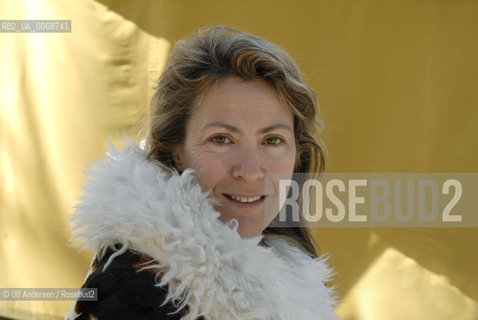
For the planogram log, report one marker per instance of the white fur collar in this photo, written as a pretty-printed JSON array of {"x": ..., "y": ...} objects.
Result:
[{"x": 208, "y": 266}]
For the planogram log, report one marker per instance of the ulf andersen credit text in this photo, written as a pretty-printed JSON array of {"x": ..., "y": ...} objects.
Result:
[{"x": 32, "y": 294}]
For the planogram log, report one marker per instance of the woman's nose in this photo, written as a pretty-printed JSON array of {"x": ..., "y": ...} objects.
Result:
[{"x": 248, "y": 165}]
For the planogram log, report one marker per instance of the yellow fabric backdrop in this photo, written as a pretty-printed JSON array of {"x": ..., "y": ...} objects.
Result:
[{"x": 398, "y": 88}]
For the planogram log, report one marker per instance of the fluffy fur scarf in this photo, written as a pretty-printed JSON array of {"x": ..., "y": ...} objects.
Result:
[{"x": 205, "y": 263}]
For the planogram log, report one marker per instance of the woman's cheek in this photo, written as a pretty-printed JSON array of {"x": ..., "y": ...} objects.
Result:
[
  {"x": 282, "y": 160},
  {"x": 211, "y": 169}
]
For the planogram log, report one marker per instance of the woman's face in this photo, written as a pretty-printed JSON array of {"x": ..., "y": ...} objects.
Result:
[{"x": 238, "y": 133}]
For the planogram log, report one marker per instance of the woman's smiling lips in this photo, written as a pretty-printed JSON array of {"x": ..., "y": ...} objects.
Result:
[{"x": 244, "y": 201}]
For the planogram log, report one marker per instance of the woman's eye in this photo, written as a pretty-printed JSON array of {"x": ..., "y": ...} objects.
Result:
[
  {"x": 220, "y": 139},
  {"x": 273, "y": 140}
]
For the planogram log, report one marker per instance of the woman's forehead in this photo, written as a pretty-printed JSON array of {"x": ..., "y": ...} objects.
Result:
[
  {"x": 214, "y": 125},
  {"x": 242, "y": 102}
]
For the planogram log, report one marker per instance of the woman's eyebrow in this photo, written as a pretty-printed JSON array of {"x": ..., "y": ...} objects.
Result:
[
  {"x": 221, "y": 125},
  {"x": 233, "y": 129},
  {"x": 276, "y": 126}
]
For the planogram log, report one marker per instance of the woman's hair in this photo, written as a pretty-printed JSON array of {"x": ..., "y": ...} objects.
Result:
[{"x": 211, "y": 55}]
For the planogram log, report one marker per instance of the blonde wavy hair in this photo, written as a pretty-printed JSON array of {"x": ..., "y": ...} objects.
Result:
[{"x": 211, "y": 55}]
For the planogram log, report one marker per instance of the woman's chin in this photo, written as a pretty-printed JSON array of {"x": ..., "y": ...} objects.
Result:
[
  {"x": 249, "y": 229},
  {"x": 246, "y": 227}
]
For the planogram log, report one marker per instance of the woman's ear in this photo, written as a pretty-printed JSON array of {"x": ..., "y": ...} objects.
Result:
[{"x": 178, "y": 160}]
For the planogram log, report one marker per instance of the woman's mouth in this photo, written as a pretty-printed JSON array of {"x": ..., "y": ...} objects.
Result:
[{"x": 245, "y": 201}]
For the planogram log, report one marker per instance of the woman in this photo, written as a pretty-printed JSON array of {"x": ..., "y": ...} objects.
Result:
[{"x": 181, "y": 228}]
